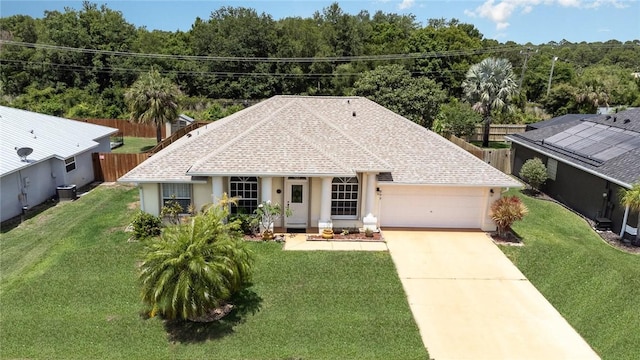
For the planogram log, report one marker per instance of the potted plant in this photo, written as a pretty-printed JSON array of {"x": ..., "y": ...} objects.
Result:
[{"x": 267, "y": 213}]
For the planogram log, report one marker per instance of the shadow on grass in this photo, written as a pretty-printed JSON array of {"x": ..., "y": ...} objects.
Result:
[
  {"x": 145, "y": 148},
  {"x": 246, "y": 303}
]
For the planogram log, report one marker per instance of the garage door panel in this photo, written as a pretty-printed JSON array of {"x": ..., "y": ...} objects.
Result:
[{"x": 420, "y": 206}]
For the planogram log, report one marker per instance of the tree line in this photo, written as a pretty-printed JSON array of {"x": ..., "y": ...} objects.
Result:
[{"x": 79, "y": 63}]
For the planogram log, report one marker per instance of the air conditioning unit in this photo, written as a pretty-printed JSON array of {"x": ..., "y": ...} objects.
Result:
[{"x": 67, "y": 192}]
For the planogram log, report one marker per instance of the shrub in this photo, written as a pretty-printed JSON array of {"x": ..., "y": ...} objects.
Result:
[
  {"x": 194, "y": 268},
  {"x": 248, "y": 223},
  {"x": 505, "y": 211},
  {"x": 534, "y": 172},
  {"x": 172, "y": 210},
  {"x": 145, "y": 225}
]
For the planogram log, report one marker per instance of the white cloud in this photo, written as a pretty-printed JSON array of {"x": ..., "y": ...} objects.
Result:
[
  {"x": 499, "y": 11},
  {"x": 406, "y": 4}
]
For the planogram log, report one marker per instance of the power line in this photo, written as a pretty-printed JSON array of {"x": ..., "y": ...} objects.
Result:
[{"x": 408, "y": 56}]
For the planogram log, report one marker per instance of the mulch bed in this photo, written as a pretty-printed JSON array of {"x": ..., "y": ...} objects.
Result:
[
  {"x": 509, "y": 239},
  {"x": 377, "y": 237}
]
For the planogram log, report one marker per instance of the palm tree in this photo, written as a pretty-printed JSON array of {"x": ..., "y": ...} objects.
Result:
[
  {"x": 195, "y": 268},
  {"x": 153, "y": 99},
  {"x": 631, "y": 198},
  {"x": 489, "y": 85}
]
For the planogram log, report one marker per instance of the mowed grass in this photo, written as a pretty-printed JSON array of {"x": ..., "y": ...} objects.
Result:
[
  {"x": 68, "y": 291},
  {"x": 594, "y": 286},
  {"x": 134, "y": 145}
]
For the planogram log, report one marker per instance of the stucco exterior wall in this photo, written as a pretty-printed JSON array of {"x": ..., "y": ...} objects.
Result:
[
  {"x": 39, "y": 187},
  {"x": 83, "y": 173},
  {"x": 150, "y": 201}
]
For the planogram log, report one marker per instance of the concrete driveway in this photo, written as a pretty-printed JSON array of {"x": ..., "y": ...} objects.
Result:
[{"x": 471, "y": 302}]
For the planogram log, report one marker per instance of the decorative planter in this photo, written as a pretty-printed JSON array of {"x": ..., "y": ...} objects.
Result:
[
  {"x": 267, "y": 235},
  {"x": 327, "y": 234}
]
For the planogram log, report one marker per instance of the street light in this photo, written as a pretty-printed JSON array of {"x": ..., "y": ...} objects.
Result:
[{"x": 553, "y": 63}]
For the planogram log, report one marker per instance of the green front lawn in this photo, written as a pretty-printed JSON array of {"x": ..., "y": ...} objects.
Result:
[
  {"x": 68, "y": 290},
  {"x": 594, "y": 286},
  {"x": 134, "y": 145}
]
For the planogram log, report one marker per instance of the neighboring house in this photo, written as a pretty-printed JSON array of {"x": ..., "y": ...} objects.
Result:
[
  {"x": 559, "y": 120},
  {"x": 589, "y": 160},
  {"x": 334, "y": 161},
  {"x": 181, "y": 122},
  {"x": 60, "y": 155}
]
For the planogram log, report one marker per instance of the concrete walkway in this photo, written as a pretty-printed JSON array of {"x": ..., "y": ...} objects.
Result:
[
  {"x": 299, "y": 242},
  {"x": 471, "y": 302}
]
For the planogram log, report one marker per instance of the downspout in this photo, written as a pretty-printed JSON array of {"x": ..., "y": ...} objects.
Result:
[
  {"x": 624, "y": 221},
  {"x": 141, "y": 197}
]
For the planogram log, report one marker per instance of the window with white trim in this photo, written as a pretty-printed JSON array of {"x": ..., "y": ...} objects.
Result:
[
  {"x": 344, "y": 197},
  {"x": 180, "y": 193},
  {"x": 246, "y": 190},
  {"x": 70, "y": 163},
  {"x": 552, "y": 168}
]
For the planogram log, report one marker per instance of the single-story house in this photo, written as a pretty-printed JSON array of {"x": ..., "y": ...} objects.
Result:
[
  {"x": 589, "y": 159},
  {"x": 40, "y": 153},
  {"x": 334, "y": 161}
]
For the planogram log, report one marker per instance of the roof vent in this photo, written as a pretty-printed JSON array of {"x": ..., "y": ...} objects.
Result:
[
  {"x": 23, "y": 152},
  {"x": 626, "y": 121},
  {"x": 608, "y": 117},
  {"x": 353, "y": 113},
  {"x": 614, "y": 119}
]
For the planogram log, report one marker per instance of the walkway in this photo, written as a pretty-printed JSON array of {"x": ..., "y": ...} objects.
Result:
[{"x": 471, "y": 302}]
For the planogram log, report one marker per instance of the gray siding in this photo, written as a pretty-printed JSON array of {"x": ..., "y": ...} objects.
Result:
[{"x": 579, "y": 190}]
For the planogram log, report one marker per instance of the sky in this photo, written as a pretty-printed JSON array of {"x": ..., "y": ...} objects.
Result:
[{"x": 521, "y": 21}]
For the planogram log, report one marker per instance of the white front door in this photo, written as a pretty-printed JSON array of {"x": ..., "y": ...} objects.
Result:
[{"x": 296, "y": 199}]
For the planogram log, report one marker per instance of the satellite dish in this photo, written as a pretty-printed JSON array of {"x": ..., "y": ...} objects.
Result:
[{"x": 24, "y": 152}]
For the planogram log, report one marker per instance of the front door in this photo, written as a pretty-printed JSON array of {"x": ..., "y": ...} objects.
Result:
[{"x": 296, "y": 199}]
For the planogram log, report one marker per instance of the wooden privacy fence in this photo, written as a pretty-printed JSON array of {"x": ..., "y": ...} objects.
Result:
[
  {"x": 498, "y": 131},
  {"x": 175, "y": 136},
  {"x": 127, "y": 128},
  {"x": 498, "y": 158},
  {"x": 109, "y": 166}
]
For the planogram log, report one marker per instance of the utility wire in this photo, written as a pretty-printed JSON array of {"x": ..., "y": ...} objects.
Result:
[{"x": 423, "y": 55}]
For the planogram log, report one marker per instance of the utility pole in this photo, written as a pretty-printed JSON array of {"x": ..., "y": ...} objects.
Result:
[
  {"x": 553, "y": 63},
  {"x": 526, "y": 54}
]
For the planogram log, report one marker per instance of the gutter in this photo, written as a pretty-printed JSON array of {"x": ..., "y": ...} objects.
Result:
[{"x": 565, "y": 161}]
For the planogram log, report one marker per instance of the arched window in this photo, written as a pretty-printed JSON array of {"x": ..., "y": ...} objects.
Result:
[
  {"x": 246, "y": 190},
  {"x": 344, "y": 197}
]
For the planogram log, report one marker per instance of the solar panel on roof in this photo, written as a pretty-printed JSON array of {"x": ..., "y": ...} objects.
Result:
[
  {"x": 595, "y": 141},
  {"x": 610, "y": 153},
  {"x": 581, "y": 144},
  {"x": 594, "y": 149}
]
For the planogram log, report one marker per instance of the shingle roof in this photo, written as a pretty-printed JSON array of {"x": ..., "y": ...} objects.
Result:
[
  {"x": 48, "y": 136},
  {"x": 316, "y": 136},
  {"x": 617, "y": 133}
]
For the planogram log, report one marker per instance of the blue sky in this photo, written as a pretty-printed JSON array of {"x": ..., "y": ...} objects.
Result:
[{"x": 522, "y": 21}]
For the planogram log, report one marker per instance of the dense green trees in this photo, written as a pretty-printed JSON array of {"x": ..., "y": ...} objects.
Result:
[
  {"x": 78, "y": 62},
  {"x": 416, "y": 98}
]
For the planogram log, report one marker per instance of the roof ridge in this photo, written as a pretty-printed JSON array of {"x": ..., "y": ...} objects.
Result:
[{"x": 345, "y": 135}]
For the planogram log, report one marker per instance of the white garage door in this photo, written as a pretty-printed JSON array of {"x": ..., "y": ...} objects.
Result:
[{"x": 434, "y": 207}]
